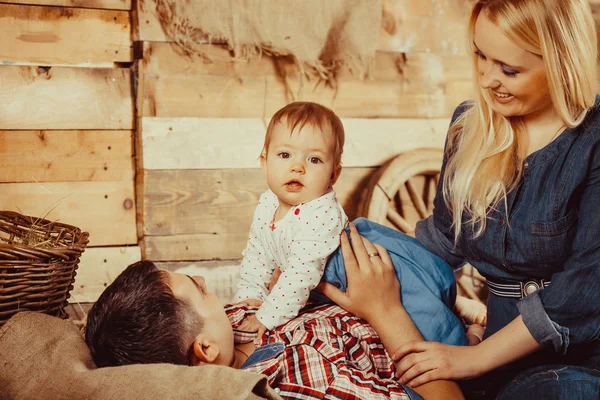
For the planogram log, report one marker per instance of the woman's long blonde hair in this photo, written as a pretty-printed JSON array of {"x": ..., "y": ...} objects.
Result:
[{"x": 483, "y": 147}]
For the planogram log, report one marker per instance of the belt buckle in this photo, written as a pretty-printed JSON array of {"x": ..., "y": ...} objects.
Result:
[{"x": 529, "y": 287}]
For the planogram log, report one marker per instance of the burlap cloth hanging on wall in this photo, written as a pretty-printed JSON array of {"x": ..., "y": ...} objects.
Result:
[{"x": 323, "y": 34}]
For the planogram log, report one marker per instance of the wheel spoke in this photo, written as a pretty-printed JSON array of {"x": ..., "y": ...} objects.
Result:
[
  {"x": 400, "y": 222},
  {"x": 416, "y": 199},
  {"x": 403, "y": 192},
  {"x": 430, "y": 190}
]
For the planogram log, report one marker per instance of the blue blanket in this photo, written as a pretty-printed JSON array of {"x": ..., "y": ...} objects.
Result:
[{"x": 428, "y": 286}]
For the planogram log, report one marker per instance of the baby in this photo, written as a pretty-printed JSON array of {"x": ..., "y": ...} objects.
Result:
[
  {"x": 297, "y": 225},
  {"x": 298, "y": 221}
]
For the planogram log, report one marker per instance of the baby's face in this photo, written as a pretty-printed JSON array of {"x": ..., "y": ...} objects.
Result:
[{"x": 300, "y": 165}]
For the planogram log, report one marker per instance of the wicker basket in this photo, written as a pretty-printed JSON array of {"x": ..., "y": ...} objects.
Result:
[{"x": 38, "y": 259}]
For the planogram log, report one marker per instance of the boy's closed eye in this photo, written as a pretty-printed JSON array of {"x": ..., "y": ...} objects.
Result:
[{"x": 201, "y": 288}]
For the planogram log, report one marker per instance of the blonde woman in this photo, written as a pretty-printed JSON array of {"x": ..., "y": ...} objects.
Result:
[{"x": 519, "y": 199}]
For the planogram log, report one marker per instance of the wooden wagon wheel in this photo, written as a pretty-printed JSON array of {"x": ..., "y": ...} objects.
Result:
[{"x": 401, "y": 193}]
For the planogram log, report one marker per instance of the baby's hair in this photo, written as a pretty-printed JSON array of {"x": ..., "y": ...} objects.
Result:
[{"x": 300, "y": 113}]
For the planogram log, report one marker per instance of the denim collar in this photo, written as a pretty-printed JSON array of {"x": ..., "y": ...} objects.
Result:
[
  {"x": 263, "y": 353},
  {"x": 552, "y": 149}
]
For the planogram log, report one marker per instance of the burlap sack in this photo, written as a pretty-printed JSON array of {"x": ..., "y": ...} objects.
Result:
[
  {"x": 44, "y": 357},
  {"x": 322, "y": 34}
]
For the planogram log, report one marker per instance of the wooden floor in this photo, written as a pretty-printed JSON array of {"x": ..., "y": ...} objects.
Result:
[{"x": 78, "y": 313}]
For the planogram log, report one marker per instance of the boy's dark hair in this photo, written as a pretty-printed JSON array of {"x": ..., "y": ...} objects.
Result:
[{"x": 138, "y": 320}]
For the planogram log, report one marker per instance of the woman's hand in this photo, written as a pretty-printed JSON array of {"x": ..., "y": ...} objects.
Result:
[
  {"x": 373, "y": 293},
  {"x": 373, "y": 287},
  {"x": 419, "y": 362}
]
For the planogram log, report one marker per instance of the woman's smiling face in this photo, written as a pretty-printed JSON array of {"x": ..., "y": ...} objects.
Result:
[{"x": 515, "y": 78}]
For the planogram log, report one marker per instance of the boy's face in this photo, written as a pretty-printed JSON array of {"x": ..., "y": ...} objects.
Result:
[
  {"x": 300, "y": 165},
  {"x": 217, "y": 329}
]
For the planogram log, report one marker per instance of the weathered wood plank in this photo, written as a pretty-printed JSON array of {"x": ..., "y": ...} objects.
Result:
[
  {"x": 105, "y": 4},
  {"x": 146, "y": 24},
  {"x": 402, "y": 86},
  {"x": 425, "y": 25},
  {"x": 78, "y": 313},
  {"x": 168, "y": 58},
  {"x": 65, "y": 98},
  {"x": 63, "y": 156},
  {"x": 98, "y": 267},
  {"x": 200, "y": 201},
  {"x": 206, "y": 214},
  {"x": 104, "y": 209},
  {"x": 219, "y": 97},
  {"x": 207, "y": 142},
  {"x": 46, "y": 36},
  {"x": 198, "y": 246},
  {"x": 220, "y": 276},
  {"x": 139, "y": 184}
]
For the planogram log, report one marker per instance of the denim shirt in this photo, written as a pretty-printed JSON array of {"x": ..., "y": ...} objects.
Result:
[
  {"x": 263, "y": 353},
  {"x": 549, "y": 229}
]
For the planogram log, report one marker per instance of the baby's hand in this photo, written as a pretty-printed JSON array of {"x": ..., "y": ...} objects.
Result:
[
  {"x": 472, "y": 311},
  {"x": 274, "y": 278},
  {"x": 475, "y": 334},
  {"x": 251, "y": 302},
  {"x": 252, "y": 324}
]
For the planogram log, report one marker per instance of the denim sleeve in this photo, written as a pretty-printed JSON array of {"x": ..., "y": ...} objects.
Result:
[
  {"x": 568, "y": 310},
  {"x": 541, "y": 327},
  {"x": 436, "y": 242}
]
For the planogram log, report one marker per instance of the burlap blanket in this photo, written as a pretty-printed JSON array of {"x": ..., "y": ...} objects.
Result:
[
  {"x": 323, "y": 34},
  {"x": 44, "y": 357}
]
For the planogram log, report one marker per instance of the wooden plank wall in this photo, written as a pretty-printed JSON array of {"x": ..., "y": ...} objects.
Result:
[
  {"x": 67, "y": 125},
  {"x": 201, "y": 125},
  {"x": 84, "y": 122}
]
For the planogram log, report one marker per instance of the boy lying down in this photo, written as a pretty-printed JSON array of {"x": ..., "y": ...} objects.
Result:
[{"x": 149, "y": 315}]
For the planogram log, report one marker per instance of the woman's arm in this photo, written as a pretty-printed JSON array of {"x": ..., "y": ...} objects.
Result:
[
  {"x": 564, "y": 313},
  {"x": 374, "y": 294},
  {"x": 419, "y": 362}
]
